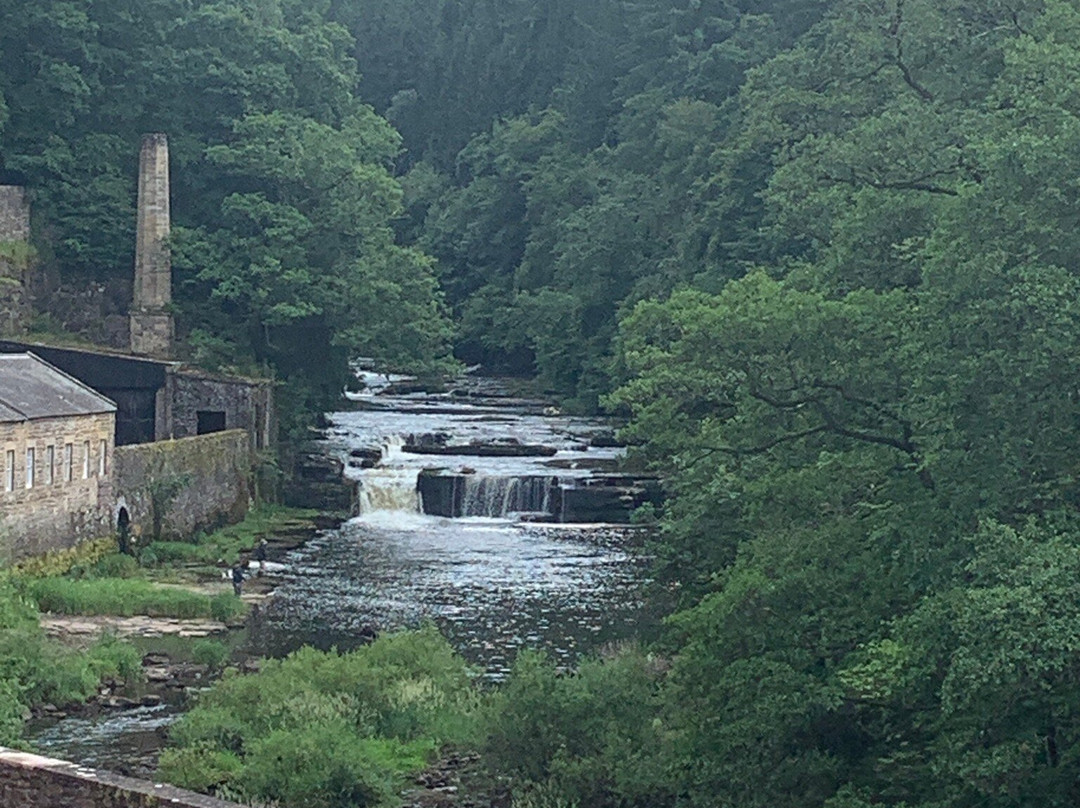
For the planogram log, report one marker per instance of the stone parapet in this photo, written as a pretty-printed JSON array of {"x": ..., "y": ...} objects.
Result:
[{"x": 31, "y": 781}]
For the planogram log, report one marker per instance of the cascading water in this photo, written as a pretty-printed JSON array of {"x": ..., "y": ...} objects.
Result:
[
  {"x": 492, "y": 586},
  {"x": 389, "y": 487},
  {"x": 503, "y": 496}
]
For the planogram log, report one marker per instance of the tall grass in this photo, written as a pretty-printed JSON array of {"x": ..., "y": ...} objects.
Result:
[
  {"x": 117, "y": 596},
  {"x": 35, "y": 669}
]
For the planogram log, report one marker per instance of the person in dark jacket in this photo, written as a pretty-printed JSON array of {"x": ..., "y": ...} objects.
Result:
[
  {"x": 260, "y": 555},
  {"x": 237, "y": 579}
]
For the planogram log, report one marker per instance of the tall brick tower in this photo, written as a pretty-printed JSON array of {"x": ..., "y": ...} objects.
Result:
[{"x": 152, "y": 328}]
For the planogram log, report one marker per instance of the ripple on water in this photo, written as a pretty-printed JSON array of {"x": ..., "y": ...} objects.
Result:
[{"x": 492, "y": 587}]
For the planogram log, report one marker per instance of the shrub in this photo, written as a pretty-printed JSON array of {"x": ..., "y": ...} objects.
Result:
[
  {"x": 325, "y": 766},
  {"x": 342, "y": 729},
  {"x": 542, "y": 795},
  {"x": 113, "y": 565},
  {"x": 111, "y": 657},
  {"x": 167, "y": 552},
  {"x": 12, "y": 712},
  {"x": 594, "y": 737},
  {"x": 199, "y": 768},
  {"x": 60, "y": 562},
  {"x": 147, "y": 557},
  {"x": 212, "y": 653},
  {"x": 226, "y": 607}
]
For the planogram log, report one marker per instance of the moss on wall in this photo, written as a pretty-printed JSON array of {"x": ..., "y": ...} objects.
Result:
[
  {"x": 59, "y": 562},
  {"x": 174, "y": 488},
  {"x": 17, "y": 254}
]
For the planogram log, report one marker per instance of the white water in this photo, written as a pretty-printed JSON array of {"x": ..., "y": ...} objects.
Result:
[
  {"x": 502, "y": 496},
  {"x": 390, "y": 486},
  {"x": 493, "y": 586}
]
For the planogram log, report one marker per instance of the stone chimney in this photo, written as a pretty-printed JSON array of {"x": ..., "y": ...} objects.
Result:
[
  {"x": 17, "y": 260},
  {"x": 14, "y": 214},
  {"x": 152, "y": 328}
]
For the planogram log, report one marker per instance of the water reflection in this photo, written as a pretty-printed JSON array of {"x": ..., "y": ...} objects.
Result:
[
  {"x": 128, "y": 741},
  {"x": 491, "y": 586}
]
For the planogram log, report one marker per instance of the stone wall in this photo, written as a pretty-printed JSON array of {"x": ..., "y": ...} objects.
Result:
[
  {"x": 69, "y": 500},
  {"x": 239, "y": 403},
  {"x": 30, "y": 781},
  {"x": 14, "y": 213},
  {"x": 177, "y": 487}
]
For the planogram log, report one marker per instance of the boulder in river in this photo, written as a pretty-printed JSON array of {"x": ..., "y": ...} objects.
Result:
[{"x": 318, "y": 482}]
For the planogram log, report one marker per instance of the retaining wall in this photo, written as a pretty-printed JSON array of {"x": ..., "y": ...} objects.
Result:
[
  {"x": 14, "y": 214},
  {"x": 186, "y": 485},
  {"x": 30, "y": 781}
]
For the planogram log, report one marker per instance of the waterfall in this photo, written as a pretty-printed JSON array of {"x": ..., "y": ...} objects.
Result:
[
  {"x": 503, "y": 496},
  {"x": 386, "y": 488}
]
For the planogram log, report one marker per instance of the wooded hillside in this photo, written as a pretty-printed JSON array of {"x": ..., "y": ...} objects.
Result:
[{"x": 823, "y": 255}]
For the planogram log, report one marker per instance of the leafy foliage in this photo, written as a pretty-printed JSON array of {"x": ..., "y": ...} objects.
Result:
[
  {"x": 35, "y": 669},
  {"x": 282, "y": 191},
  {"x": 327, "y": 729}
]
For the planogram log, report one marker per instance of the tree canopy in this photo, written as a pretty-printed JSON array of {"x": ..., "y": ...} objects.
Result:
[
  {"x": 822, "y": 256},
  {"x": 283, "y": 187}
]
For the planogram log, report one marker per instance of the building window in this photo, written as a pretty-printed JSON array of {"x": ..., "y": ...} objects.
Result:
[
  {"x": 209, "y": 421},
  {"x": 86, "y": 460},
  {"x": 50, "y": 464},
  {"x": 69, "y": 460},
  {"x": 29, "y": 468},
  {"x": 9, "y": 470},
  {"x": 103, "y": 467}
]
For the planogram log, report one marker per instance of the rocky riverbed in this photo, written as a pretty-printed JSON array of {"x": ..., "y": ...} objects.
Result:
[{"x": 493, "y": 583}]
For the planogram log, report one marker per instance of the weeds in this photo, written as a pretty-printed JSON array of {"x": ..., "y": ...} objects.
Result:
[
  {"x": 116, "y": 596},
  {"x": 328, "y": 729}
]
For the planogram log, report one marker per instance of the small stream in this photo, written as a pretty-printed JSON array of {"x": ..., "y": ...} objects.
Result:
[{"x": 492, "y": 583}]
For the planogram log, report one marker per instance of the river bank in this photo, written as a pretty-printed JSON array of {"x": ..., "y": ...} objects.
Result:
[
  {"x": 497, "y": 574},
  {"x": 178, "y": 654}
]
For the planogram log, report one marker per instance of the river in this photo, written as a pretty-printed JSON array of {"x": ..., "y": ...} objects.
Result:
[{"x": 494, "y": 579}]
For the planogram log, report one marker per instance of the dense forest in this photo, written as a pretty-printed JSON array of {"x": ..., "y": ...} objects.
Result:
[{"x": 821, "y": 255}]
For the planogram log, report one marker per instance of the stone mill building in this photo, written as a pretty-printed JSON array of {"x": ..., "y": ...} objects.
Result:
[
  {"x": 152, "y": 423},
  {"x": 56, "y": 447}
]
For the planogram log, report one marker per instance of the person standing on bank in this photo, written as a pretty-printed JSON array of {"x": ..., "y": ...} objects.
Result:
[
  {"x": 237, "y": 579},
  {"x": 260, "y": 555}
]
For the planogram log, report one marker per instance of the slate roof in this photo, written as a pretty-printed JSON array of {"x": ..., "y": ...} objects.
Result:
[{"x": 31, "y": 388}]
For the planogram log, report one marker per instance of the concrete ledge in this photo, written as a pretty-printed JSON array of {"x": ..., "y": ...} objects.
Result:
[{"x": 32, "y": 781}]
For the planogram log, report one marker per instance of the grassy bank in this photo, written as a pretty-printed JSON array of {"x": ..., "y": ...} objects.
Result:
[
  {"x": 205, "y": 552},
  {"x": 36, "y": 670},
  {"x": 92, "y": 580},
  {"x": 123, "y": 585},
  {"x": 125, "y": 597}
]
